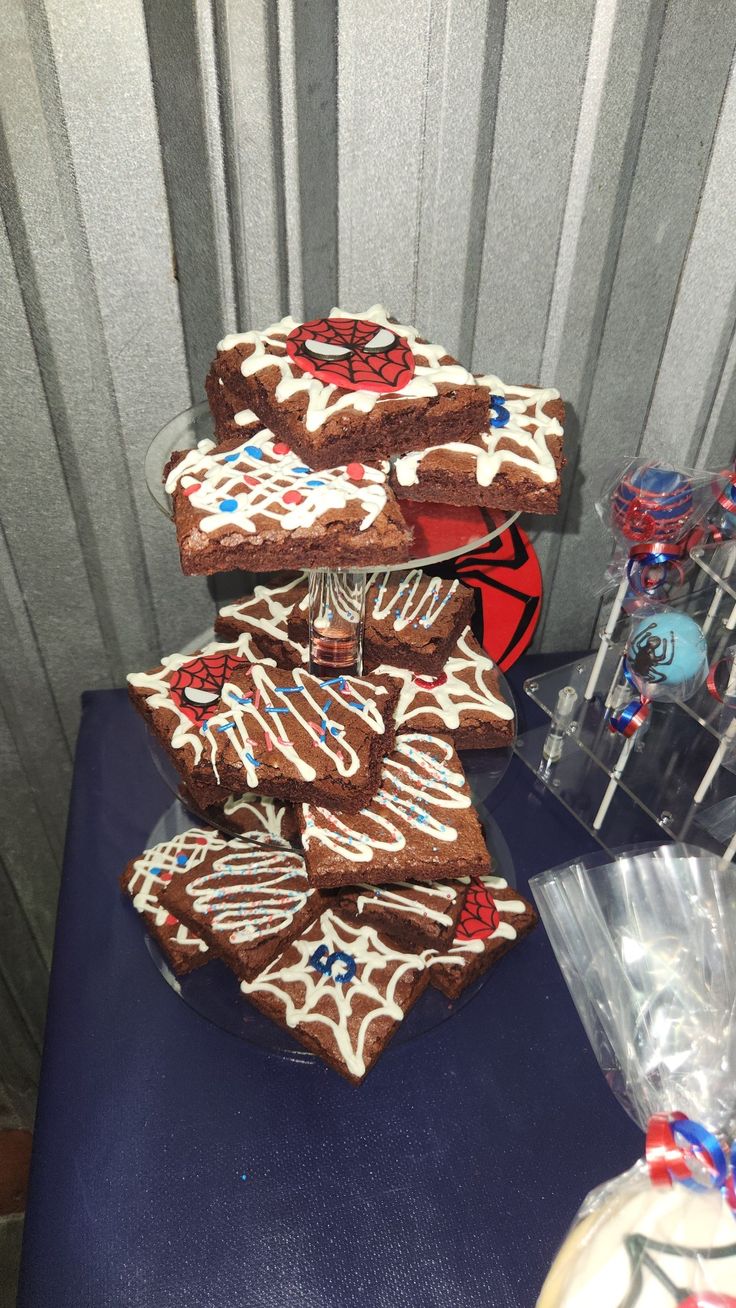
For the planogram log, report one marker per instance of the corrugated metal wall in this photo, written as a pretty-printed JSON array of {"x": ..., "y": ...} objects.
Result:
[{"x": 547, "y": 186}]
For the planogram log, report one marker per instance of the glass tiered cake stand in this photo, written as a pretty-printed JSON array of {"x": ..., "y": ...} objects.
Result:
[{"x": 336, "y": 596}]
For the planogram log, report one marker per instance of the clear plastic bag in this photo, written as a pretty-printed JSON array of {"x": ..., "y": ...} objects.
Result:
[{"x": 647, "y": 946}]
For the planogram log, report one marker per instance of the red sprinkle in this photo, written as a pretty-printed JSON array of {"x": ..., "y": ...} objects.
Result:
[
  {"x": 292, "y": 497},
  {"x": 250, "y": 481},
  {"x": 171, "y": 921},
  {"x": 280, "y": 448},
  {"x": 355, "y": 471},
  {"x": 429, "y": 683},
  {"x": 189, "y": 490}
]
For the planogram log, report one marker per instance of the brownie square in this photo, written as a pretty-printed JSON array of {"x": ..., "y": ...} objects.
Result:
[
  {"x": 465, "y": 702},
  {"x": 415, "y": 917},
  {"x": 241, "y": 815},
  {"x": 265, "y": 614},
  {"x": 145, "y": 879},
  {"x": 247, "y": 901},
  {"x": 341, "y": 990},
  {"x": 258, "y": 506},
  {"x": 493, "y": 918},
  {"x": 513, "y": 461},
  {"x": 411, "y": 620},
  {"x": 256, "y": 728},
  {"x": 177, "y": 698},
  {"x": 420, "y": 826},
  {"x": 349, "y": 387}
]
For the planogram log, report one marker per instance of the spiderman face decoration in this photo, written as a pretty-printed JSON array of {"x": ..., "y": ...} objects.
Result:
[
  {"x": 479, "y": 918},
  {"x": 196, "y": 687},
  {"x": 352, "y": 353}
]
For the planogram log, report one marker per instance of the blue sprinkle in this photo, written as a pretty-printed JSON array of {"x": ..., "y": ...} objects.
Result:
[
  {"x": 241, "y": 699},
  {"x": 289, "y": 690},
  {"x": 182, "y": 860},
  {"x": 353, "y": 703},
  {"x": 301, "y": 470},
  {"x": 228, "y": 506},
  {"x": 231, "y": 458},
  {"x": 271, "y": 709},
  {"x": 252, "y": 760},
  {"x": 227, "y": 726},
  {"x": 314, "y": 482},
  {"x": 244, "y": 1176},
  {"x": 155, "y": 871},
  {"x": 327, "y": 705},
  {"x": 253, "y": 451},
  {"x": 334, "y": 731},
  {"x": 331, "y": 682},
  {"x": 203, "y": 727}
]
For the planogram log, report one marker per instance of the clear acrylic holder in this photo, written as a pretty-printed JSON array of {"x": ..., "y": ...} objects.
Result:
[{"x": 674, "y": 775}]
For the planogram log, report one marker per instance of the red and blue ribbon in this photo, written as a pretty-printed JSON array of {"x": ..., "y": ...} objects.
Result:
[
  {"x": 683, "y": 1151},
  {"x": 630, "y": 718},
  {"x": 650, "y": 566}
]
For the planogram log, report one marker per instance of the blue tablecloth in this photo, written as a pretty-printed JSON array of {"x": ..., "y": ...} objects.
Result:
[{"x": 449, "y": 1178}]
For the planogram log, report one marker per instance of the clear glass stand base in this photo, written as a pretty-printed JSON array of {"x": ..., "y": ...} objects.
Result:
[
  {"x": 213, "y": 991},
  {"x": 629, "y": 791}
]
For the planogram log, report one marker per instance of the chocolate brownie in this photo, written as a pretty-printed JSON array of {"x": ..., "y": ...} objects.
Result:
[
  {"x": 265, "y": 615},
  {"x": 420, "y": 826},
  {"x": 513, "y": 462},
  {"x": 285, "y": 735},
  {"x": 348, "y": 387},
  {"x": 257, "y": 506},
  {"x": 146, "y": 878},
  {"x": 177, "y": 698},
  {"x": 493, "y": 918},
  {"x": 341, "y": 990},
  {"x": 465, "y": 702},
  {"x": 247, "y": 901},
  {"x": 242, "y": 814},
  {"x": 415, "y": 917},
  {"x": 411, "y": 620}
]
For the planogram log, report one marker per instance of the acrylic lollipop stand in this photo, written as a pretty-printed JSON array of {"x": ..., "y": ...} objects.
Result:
[{"x": 674, "y": 775}]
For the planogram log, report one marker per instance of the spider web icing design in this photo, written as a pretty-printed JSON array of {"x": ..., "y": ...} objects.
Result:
[
  {"x": 518, "y": 413},
  {"x": 262, "y": 482},
  {"x": 188, "y": 731},
  {"x": 351, "y": 353},
  {"x": 314, "y": 996},
  {"x": 153, "y": 871},
  {"x": 269, "y": 351},
  {"x": 418, "y": 789},
  {"x": 482, "y": 918},
  {"x": 268, "y": 611},
  {"x": 251, "y": 891},
  {"x": 412, "y": 599},
  {"x": 465, "y": 685}
]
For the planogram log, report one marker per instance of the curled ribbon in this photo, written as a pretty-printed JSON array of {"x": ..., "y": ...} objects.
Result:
[
  {"x": 726, "y": 495},
  {"x": 649, "y": 566},
  {"x": 677, "y": 1148},
  {"x": 633, "y": 715}
]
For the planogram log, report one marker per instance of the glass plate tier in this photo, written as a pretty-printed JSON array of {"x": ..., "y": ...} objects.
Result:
[
  {"x": 463, "y": 528},
  {"x": 651, "y": 783},
  {"x": 213, "y": 991}
]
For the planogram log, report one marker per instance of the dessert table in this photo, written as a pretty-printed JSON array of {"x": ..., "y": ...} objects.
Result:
[{"x": 175, "y": 1164}]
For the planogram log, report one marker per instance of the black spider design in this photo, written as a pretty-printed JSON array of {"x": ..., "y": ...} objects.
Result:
[{"x": 649, "y": 653}]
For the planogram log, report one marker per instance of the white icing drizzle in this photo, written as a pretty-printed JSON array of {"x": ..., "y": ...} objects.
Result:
[
  {"x": 279, "y": 603},
  {"x": 411, "y": 598},
  {"x": 188, "y": 733},
  {"x": 154, "y": 869},
  {"x": 455, "y": 695},
  {"x": 409, "y": 903},
  {"x": 259, "y": 486},
  {"x": 530, "y": 431},
  {"x": 299, "y": 696},
  {"x": 459, "y": 950},
  {"x": 320, "y": 403},
  {"x": 415, "y": 784},
  {"x": 311, "y": 998},
  {"x": 251, "y": 892},
  {"x": 246, "y": 418},
  {"x": 269, "y": 814}
]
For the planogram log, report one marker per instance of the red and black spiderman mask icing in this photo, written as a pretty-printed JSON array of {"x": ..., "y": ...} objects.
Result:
[
  {"x": 352, "y": 353},
  {"x": 479, "y": 918},
  {"x": 196, "y": 687}
]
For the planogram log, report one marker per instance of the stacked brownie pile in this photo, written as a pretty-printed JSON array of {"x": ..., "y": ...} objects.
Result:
[{"x": 359, "y": 873}]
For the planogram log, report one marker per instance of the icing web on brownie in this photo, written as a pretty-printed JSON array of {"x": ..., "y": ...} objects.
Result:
[
  {"x": 467, "y": 684},
  {"x": 252, "y": 890},
  {"x": 154, "y": 868}
]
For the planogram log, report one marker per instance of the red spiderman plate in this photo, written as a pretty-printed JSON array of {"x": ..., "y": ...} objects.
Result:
[{"x": 352, "y": 353}]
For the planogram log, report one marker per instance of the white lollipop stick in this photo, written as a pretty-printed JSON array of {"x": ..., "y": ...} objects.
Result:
[
  {"x": 715, "y": 763},
  {"x": 605, "y": 644},
  {"x": 729, "y": 852},
  {"x": 715, "y": 603},
  {"x": 600, "y": 816}
]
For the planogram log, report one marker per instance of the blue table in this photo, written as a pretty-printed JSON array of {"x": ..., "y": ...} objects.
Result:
[{"x": 449, "y": 1178}]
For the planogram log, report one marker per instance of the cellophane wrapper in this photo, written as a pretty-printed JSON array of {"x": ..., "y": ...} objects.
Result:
[{"x": 647, "y": 946}]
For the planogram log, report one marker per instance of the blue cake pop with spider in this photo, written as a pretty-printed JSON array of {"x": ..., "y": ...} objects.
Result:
[{"x": 667, "y": 656}]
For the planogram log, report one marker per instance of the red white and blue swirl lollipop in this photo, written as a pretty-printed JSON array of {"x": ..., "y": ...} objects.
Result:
[{"x": 654, "y": 502}]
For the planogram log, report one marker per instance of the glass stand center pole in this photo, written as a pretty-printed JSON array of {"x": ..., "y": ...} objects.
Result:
[{"x": 336, "y": 602}]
